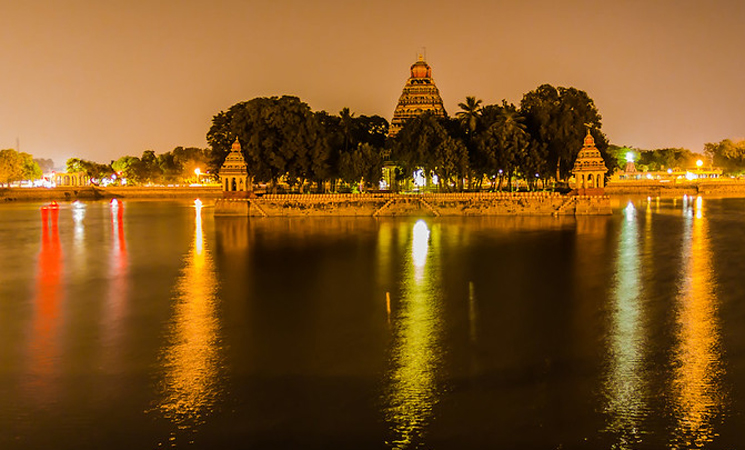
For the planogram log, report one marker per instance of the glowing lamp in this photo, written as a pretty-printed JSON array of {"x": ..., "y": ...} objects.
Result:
[
  {"x": 629, "y": 157},
  {"x": 699, "y": 163}
]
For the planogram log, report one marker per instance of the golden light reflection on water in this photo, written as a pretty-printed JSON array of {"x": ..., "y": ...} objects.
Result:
[
  {"x": 625, "y": 385},
  {"x": 413, "y": 391},
  {"x": 191, "y": 360},
  {"x": 697, "y": 392}
]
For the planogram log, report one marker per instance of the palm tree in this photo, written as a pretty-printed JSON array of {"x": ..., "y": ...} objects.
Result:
[
  {"x": 470, "y": 120},
  {"x": 511, "y": 138},
  {"x": 470, "y": 114},
  {"x": 347, "y": 127}
]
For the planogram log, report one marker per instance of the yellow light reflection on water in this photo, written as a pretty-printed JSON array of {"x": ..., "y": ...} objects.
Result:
[
  {"x": 419, "y": 248},
  {"x": 625, "y": 386},
  {"x": 697, "y": 391},
  {"x": 413, "y": 388},
  {"x": 191, "y": 359}
]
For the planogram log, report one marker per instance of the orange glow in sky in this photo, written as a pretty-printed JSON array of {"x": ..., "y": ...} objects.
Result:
[{"x": 99, "y": 80}]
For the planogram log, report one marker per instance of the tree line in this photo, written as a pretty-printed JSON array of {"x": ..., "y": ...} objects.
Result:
[
  {"x": 728, "y": 155},
  {"x": 17, "y": 166},
  {"x": 283, "y": 139},
  {"x": 173, "y": 167}
]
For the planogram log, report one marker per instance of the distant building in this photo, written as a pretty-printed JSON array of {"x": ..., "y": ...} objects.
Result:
[
  {"x": 419, "y": 95},
  {"x": 74, "y": 179}
]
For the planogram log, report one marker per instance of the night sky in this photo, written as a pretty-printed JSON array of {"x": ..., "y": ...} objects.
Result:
[{"x": 102, "y": 79}]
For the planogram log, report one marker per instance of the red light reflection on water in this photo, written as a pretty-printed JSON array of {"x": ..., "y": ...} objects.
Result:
[{"x": 42, "y": 348}]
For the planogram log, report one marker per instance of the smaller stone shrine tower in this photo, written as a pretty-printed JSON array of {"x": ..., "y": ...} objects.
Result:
[
  {"x": 589, "y": 169},
  {"x": 236, "y": 183}
]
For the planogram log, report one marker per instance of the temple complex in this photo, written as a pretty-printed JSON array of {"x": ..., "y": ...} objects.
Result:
[
  {"x": 419, "y": 95},
  {"x": 234, "y": 173},
  {"x": 589, "y": 169}
]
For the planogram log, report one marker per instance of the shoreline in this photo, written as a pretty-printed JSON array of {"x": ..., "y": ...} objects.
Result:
[
  {"x": 97, "y": 193},
  {"x": 614, "y": 191}
]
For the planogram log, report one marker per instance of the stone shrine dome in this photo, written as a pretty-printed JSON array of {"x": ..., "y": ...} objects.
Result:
[{"x": 421, "y": 69}]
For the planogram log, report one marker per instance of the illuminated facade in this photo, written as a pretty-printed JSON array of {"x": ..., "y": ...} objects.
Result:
[
  {"x": 589, "y": 168},
  {"x": 419, "y": 95},
  {"x": 73, "y": 179}
]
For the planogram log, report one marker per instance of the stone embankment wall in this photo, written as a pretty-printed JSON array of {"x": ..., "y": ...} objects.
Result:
[
  {"x": 95, "y": 193},
  {"x": 654, "y": 188},
  {"x": 377, "y": 205}
]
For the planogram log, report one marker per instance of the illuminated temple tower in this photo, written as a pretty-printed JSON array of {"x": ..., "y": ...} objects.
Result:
[
  {"x": 419, "y": 95},
  {"x": 236, "y": 182},
  {"x": 589, "y": 169}
]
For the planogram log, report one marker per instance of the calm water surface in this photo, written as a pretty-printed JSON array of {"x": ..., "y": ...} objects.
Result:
[{"x": 153, "y": 324}]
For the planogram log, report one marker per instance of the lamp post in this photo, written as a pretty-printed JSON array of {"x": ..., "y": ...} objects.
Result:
[{"x": 197, "y": 172}]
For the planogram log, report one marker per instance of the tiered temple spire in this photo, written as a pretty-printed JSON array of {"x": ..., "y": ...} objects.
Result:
[
  {"x": 589, "y": 168},
  {"x": 419, "y": 95},
  {"x": 234, "y": 172}
]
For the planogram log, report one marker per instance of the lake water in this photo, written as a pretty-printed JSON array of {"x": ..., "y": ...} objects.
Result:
[{"x": 142, "y": 324}]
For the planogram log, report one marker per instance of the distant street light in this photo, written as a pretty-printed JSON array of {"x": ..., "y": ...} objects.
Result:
[{"x": 699, "y": 163}]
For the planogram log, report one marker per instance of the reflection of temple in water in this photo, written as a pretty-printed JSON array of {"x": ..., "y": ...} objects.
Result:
[
  {"x": 232, "y": 233},
  {"x": 413, "y": 390}
]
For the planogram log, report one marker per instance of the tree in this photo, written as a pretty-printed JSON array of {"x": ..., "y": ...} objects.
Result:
[
  {"x": 129, "y": 168},
  {"x": 11, "y": 166},
  {"x": 150, "y": 171},
  {"x": 470, "y": 119},
  {"x": 46, "y": 165},
  {"x": 220, "y": 137},
  {"x": 558, "y": 118},
  {"x": 470, "y": 114},
  {"x": 425, "y": 142},
  {"x": 344, "y": 134},
  {"x": 371, "y": 130},
  {"x": 92, "y": 169},
  {"x": 503, "y": 145},
  {"x": 280, "y": 137},
  {"x": 364, "y": 163},
  {"x": 727, "y": 154},
  {"x": 31, "y": 170}
]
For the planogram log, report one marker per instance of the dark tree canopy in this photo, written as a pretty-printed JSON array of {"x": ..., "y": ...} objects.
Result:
[
  {"x": 727, "y": 154},
  {"x": 280, "y": 136},
  {"x": 558, "y": 119},
  {"x": 425, "y": 142},
  {"x": 282, "y": 139},
  {"x": 91, "y": 168}
]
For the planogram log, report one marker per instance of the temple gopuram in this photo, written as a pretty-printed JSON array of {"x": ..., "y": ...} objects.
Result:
[{"x": 419, "y": 95}]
